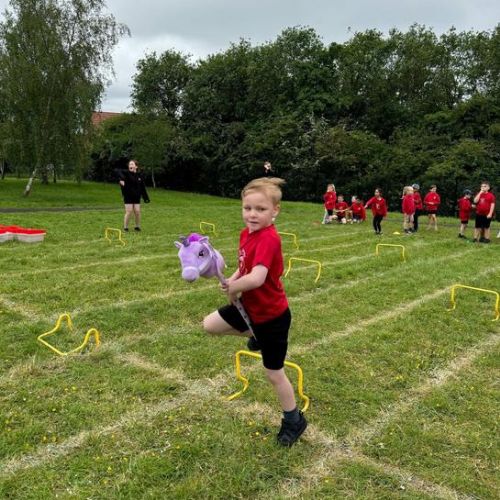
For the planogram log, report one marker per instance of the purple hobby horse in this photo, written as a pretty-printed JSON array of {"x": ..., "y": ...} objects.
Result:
[{"x": 199, "y": 258}]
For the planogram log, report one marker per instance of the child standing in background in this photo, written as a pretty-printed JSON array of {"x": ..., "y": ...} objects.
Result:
[
  {"x": 485, "y": 210},
  {"x": 408, "y": 209},
  {"x": 432, "y": 201},
  {"x": 329, "y": 198},
  {"x": 418, "y": 206},
  {"x": 379, "y": 210},
  {"x": 464, "y": 210},
  {"x": 258, "y": 281}
]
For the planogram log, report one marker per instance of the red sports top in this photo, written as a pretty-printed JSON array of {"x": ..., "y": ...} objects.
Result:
[
  {"x": 432, "y": 201},
  {"x": 464, "y": 208},
  {"x": 484, "y": 203},
  {"x": 408, "y": 204},
  {"x": 359, "y": 210},
  {"x": 341, "y": 205},
  {"x": 263, "y": 248},
  {"x": 330, "y": 197},
  {"x": 418, "y": 201},
  {"x": 378, "y": 206}
]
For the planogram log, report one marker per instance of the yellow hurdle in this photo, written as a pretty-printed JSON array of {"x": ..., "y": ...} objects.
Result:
[
  {"x": 291, "y": 259},
  {"x": 391, "y": 245},
  {"x": 293, "y": 235},
  {"x": 67, "y": 317},
  {"x": 454, "y": 304},
  {"x": 109, "y": 230},
  {"x": 203, "y": 223},
  {"x": 239, "y": 376}
]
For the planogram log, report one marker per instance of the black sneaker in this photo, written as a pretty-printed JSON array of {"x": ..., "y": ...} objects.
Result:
[
  {"x": 461, "y": 236},
  {"x": 253, "y": 344},
  {"x": 125, "y": 229},
  {"x": 137, "y": 228},
  {"x": 486, "y": 240},
  {"x": 289, "y": 433},
  {"x": 474, "y": 240}
]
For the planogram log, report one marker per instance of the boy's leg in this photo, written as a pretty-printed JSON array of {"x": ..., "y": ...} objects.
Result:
[
  {"x": 214, "y": 324},
  {"x": 293, "y": 423}
]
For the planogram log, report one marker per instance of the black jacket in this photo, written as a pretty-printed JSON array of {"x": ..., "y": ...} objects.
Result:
[{"x": 134, "y": 187}]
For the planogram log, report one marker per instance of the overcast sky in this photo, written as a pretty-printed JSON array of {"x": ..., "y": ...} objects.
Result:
[{"x": 202, "y": 27}]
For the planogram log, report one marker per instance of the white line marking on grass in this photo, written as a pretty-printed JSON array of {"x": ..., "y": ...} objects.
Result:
[
  {"x": 362, "y": 435},
  {"x": 333, "y": 452},
  {"x": 197, "y": 389},
  {"x": 22, "y": 309},
  {"x": 387, "y": 315}
]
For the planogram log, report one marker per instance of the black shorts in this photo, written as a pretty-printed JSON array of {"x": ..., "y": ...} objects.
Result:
[
  {"x": 482, "y": 222},
  {"x": 131, "y": 200},
  {"x": 464, "y": 222},
  {"x": 329, "y": 211},
  {"x": 271, "y": 335}
]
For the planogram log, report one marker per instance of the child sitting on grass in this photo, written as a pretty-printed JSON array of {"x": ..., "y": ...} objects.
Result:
[
  {"x": 340, "y": 209},
  {"x": 358, "y": 210},
  {"x": 257, "y": 279}
]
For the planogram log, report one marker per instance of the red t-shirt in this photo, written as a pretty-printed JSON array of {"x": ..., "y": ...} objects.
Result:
[
  {"x": 263, "y": 248},
  {"x": 359, "y": 210},
  {"x": 330, "y": 197},
  {"x": 432, "y": 201},
  {"x": 418, "y": 201},
  {"x": 408, "y": 204},
  {"x": 341, "y": 206},
  {"x": 378, "y": 206},
  {"x": 464, "y": 208},
  {"x": 484, "y": 203}
]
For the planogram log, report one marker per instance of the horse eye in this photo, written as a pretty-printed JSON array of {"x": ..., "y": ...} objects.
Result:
[{"x": 201, "y": 254}]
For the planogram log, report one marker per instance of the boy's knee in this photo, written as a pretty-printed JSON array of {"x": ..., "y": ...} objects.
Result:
[
  {"x": 275, "y": 376},
  {"x": 208, "y": 326}
]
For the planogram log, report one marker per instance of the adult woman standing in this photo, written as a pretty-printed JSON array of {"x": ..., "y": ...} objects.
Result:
[{"x": 133, "y": 188}]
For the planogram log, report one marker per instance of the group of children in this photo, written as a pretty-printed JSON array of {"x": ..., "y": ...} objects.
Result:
[
  {"x": 483, "y": 202},
  {"x": 412, "y": 207},
  {"x": 336, "y": 209}
]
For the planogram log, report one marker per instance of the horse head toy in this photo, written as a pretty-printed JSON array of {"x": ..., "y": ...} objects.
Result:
[{"x": 199, "y": 258}]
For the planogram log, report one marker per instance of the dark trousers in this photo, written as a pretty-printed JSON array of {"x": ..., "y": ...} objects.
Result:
[
  {"x": 416, "y": 215},
  {"x": 377, "y": 219}
]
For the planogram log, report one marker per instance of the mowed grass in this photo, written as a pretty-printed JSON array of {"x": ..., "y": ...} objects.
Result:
[{"x": 404, "y": 395}]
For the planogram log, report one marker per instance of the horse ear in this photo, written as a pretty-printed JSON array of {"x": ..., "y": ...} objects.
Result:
[
  {"x": 204, "y": 239},
  {"x": 178, "y": 244}
]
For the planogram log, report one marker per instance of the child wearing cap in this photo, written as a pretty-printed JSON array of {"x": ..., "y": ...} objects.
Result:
[
  {"x": 464, "y": 210},
  {"x": 419, "y": 206}
]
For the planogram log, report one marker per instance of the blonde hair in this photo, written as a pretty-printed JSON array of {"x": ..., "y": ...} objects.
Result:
[
  {"x": 407, "y": 189},
  {"x": 270, "y": 186}
]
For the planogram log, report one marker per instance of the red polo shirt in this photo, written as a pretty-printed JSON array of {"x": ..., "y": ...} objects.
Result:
[
  {"x": 263, "y": 248},
  {"x": 432, "y": 201},
  {"x": 378, "y": 206},
  {"x": 484, "y": 203},
  {"x": 464, "y": 208},
  {"x": 330, "y": 197},
  {"x": 408, "y": 204}
]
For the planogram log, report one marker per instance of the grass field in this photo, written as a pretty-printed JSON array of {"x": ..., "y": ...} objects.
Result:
[{"x": 404, "y": 395}]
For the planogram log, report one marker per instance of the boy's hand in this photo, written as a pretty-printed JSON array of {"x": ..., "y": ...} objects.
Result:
[{"x": 122, "y": 183}]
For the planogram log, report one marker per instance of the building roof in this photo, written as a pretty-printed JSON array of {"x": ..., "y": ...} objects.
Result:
[{"x": 100, "y": 116}]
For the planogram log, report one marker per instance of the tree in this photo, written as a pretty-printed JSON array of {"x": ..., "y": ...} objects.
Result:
[
  {"x": 55, "y": 57},
  {"x": 160, "y": 82}
]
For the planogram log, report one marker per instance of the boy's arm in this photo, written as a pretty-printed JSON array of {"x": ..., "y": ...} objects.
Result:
[
  {"x": 476, "y": 198},
  {"x": 492, "y": 211},
  {"x": 248, "y": 282}
]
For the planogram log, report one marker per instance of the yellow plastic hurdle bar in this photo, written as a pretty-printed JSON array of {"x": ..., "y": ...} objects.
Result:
[
  {"x": 320, "y": 267},
  {"x": 454, "y": 304},
  {"x": 391, "y": 245},
  {"x": 294, "y": 237},
  {"x": 246, "y": 382},
  {"x": 91, "y": 332},
  {"x": 203, "y": 223},
  {"x": 109, "y": 230}
]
